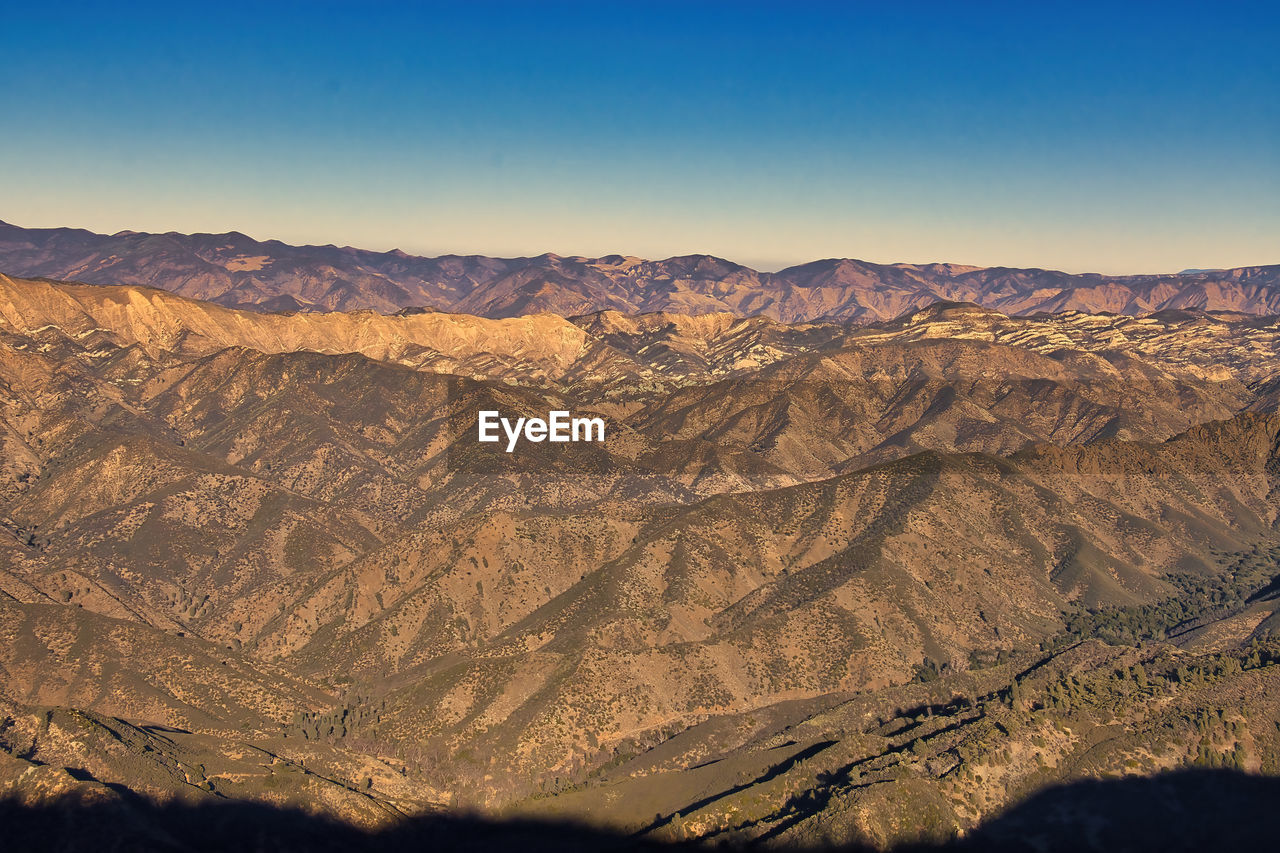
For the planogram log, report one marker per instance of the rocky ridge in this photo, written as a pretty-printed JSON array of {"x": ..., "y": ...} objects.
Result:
[{"x": 235, "y": 270}]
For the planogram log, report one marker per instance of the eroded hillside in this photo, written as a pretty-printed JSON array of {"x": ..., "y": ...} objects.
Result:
[{"x": 808, "y": 559}]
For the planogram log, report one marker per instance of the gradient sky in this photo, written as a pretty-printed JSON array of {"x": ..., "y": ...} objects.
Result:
[{"x": 1077, "y": 136}]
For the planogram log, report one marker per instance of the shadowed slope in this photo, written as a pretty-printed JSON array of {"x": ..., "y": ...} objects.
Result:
[{"x": 1166, "y": 813}]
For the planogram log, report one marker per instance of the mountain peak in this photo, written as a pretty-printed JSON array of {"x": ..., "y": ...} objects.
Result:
[{"x": 840, "y": 289}]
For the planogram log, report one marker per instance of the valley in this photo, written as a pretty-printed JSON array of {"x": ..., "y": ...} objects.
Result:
[{"x": 826, "y": 582}]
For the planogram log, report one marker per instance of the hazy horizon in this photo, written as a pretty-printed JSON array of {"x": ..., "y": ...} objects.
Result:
[
  {"x": 766, "y": 267},
  {"x": 1082, "y": 138}
]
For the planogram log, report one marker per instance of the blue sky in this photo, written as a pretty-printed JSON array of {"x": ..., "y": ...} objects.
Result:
[{"x": 1068, "y": 135}]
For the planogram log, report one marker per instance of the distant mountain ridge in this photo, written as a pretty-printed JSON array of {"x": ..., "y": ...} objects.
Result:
[{"x": 238, "y": 271}]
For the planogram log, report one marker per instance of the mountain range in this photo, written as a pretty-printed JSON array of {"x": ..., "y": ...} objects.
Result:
[
  {"x": 834, "y": 581},
  {"x": 237, "y": 271}
]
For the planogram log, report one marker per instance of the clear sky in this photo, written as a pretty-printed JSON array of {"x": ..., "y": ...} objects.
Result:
[{"x": 1117, "y": 137}]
